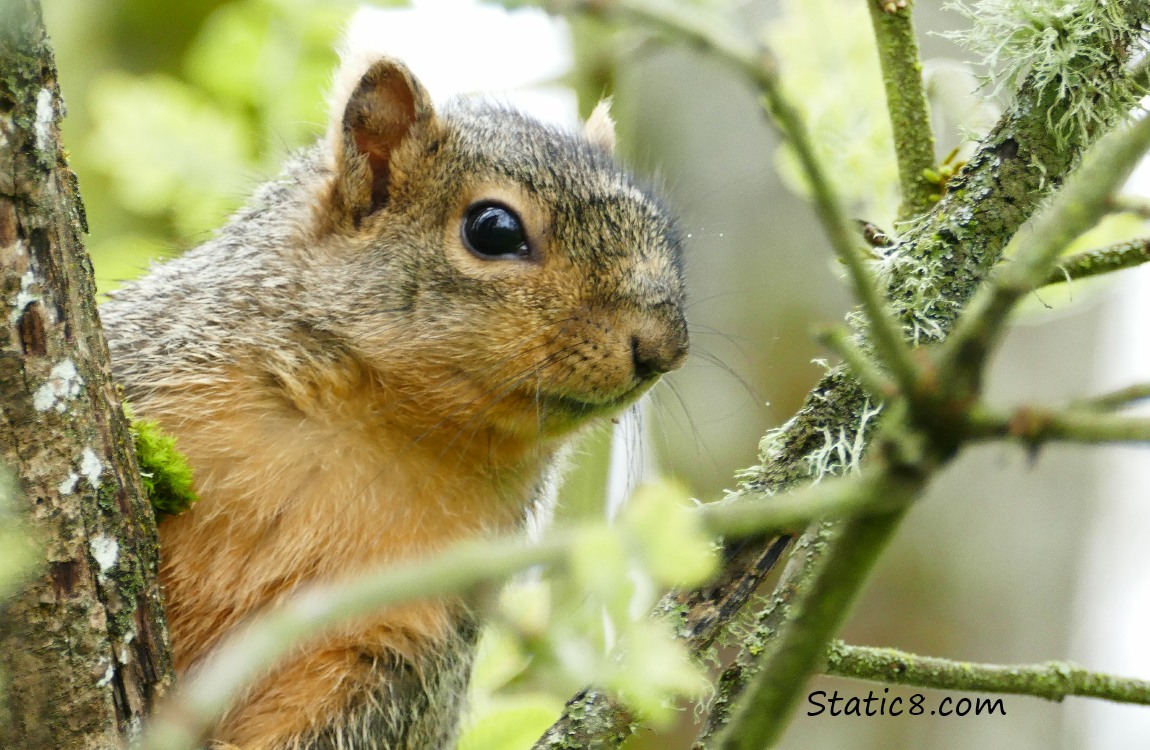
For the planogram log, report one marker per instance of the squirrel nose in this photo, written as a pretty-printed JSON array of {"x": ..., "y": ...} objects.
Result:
[{"x": 655, "y": 352}]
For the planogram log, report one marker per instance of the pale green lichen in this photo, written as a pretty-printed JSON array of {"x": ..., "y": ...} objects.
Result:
[
  {"x": 841, "y": 452},
  {"x": 1059, "y": 46},
  {"x": 909, "y": 279}
]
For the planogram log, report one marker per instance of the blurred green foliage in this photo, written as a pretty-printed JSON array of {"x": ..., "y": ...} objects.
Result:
[
  {"x": 590, "y": 625},
  {"x": 178, "y": 111},
  {"x": 837, "y": 85}
]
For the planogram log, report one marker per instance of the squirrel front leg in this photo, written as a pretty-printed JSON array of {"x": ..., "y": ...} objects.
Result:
[{"x": 345, "y": 694}]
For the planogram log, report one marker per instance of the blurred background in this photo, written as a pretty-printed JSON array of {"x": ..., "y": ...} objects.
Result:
[{"x": 178, "y": 110}]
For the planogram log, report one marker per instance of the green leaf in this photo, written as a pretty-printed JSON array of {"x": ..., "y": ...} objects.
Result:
[
  {"x": 511, "y": 723},
  {"x": 654, "y": 670},
  {"x": 599, "y": 566},
  {"x": 675, "y": 548}
]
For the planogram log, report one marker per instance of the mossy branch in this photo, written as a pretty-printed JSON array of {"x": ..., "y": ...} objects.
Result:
[
  {"x": 907, "y": 104},
  {"x": 1053, "y": 680},
  {"x": 949, "y": 253},
  {"x": 1077, "y": 208},
  {"x": 775, "y": 689},
  {"x": 1117, "y": 257}
]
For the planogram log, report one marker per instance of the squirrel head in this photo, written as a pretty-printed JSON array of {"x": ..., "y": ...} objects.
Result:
[{"x": 498, "y": 273}]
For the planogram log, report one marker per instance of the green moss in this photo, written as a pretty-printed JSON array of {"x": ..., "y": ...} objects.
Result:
[{"x": 165, "y": 473}]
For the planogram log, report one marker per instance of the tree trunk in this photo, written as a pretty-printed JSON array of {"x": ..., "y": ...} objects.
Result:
[{"x": 83, "y": 646}]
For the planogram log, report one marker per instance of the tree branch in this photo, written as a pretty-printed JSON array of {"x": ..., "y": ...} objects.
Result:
[
  {"x": 1052, "y": 680},
  {"x": 1101, "y": 260},
  {"x": 761, "y": 716},
  {"x": 1035, "y": 426},
  {"x": 906, "y": 101},
  {"x": 1077, "y": 208},
  {"x": 946, "y": 256},
  {"x": 83, "y": 645},
  {"x": 774, "y": 691}
]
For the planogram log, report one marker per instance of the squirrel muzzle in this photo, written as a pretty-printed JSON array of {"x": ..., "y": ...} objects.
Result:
[{"x": 658, "y": 347}]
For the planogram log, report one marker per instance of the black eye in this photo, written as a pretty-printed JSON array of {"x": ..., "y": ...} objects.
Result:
[{"x": 494, "y": 231}]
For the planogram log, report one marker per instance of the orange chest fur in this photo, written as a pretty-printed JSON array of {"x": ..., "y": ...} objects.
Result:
[{"x": 287, "y": 500}]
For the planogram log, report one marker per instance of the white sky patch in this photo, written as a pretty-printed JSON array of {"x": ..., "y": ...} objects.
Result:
[
  {"x": 45, "y": 114},
  {"x": 91, "y": 467},
  {"x": 105, "y": 551},
  {"x": 514, "y": 57},
  {"x": 63, "y": 385}
]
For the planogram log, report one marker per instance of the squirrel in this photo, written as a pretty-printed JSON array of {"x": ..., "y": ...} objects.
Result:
[{"x": 377, "y": 357}]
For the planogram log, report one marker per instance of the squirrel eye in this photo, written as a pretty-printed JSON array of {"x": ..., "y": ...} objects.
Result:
[{"x": 491, "y": 230}]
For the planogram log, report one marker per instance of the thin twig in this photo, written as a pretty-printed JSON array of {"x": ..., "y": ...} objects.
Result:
[
  {"x": 1101, "y": 260},
  {"x": 907, "y": 104},
  {"x": 1131, "y": 204},
  {"x": 1053, "y": 680},
  {"x": 1035, "y": 426},
  {"x": 1114, "y": 400},
  {"x": 839, "y": 497}
]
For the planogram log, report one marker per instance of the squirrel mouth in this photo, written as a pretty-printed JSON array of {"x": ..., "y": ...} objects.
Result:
[{"x": 587, "y": 408}]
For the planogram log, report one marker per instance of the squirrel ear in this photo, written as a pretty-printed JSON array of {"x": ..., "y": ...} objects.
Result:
[
  {"x": 385, "y": 107},
  {"x": 600, "y": 126}
]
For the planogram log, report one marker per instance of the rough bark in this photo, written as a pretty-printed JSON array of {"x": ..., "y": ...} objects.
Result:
[{"x": 83, "y": 646}]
